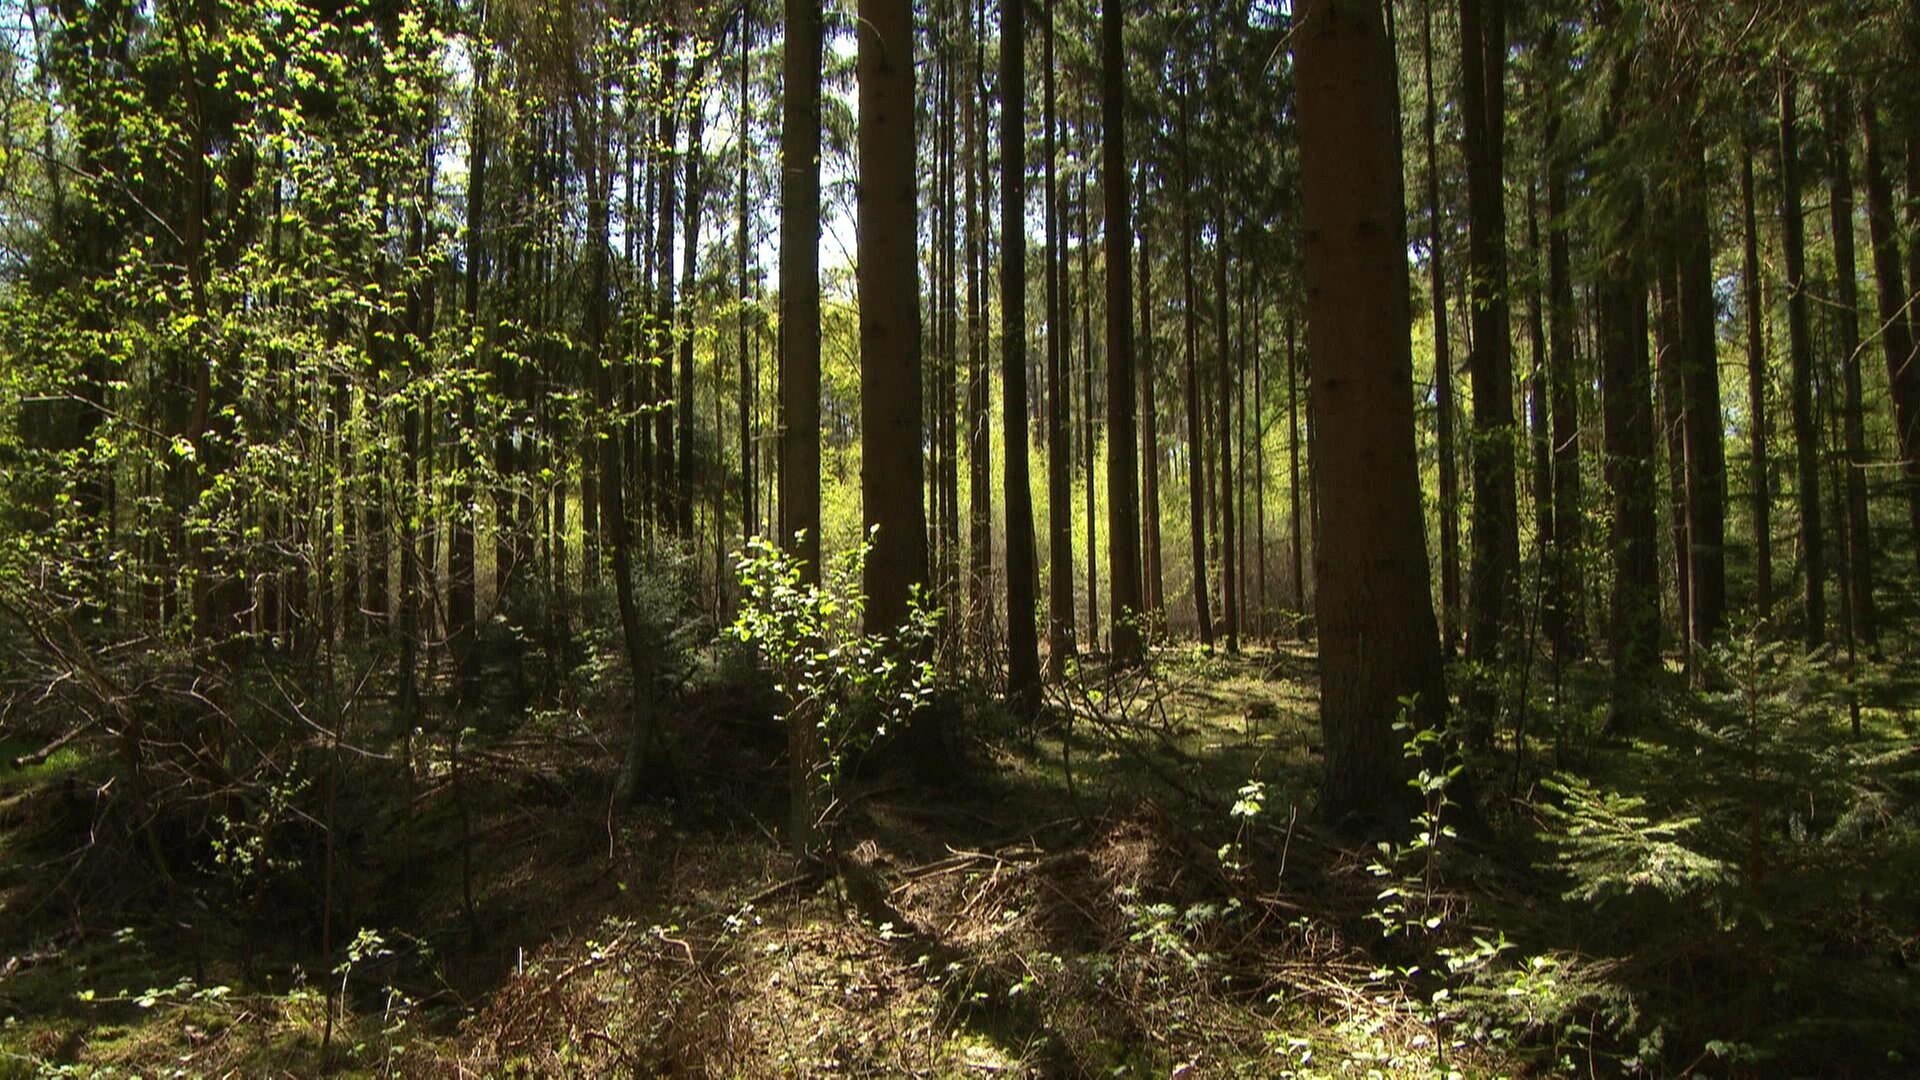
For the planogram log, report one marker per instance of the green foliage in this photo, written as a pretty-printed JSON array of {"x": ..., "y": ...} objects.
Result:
[
  {"x": 1610, "y": 848},
  {"x": 851, "y": 685}
]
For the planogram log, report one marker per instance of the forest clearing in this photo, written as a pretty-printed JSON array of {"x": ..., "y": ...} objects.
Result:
[{"x": 718, "y": 538}]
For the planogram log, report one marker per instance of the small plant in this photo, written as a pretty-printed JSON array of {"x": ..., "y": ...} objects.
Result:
[
  {"x": 848, "y": 684},
  {"x": 1406, "y": 904}
]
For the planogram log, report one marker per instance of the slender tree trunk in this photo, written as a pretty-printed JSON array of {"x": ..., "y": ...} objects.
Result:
[
  {"x": 1672, "y": 429},
  {"x": 1060, "y": 618},
  {"x": 1123, "y": 478},
  {"x": 695, "y": 198},
  {"x": 979, "y": 459},
  {"x": 460, "y": 568},
  {"x": 1847, "y": 348},
  {"x": 1196, "y": 439},
  {"x": 1758, "y": 473},
  {"x": 1023, "y": 652},
  {"x": 1444, "y": 408},
  {"x": 1896, "y": 333},
  {"x": 800, "y": 357},
  {"x": 1223, "y": 371},
  {"x": 1704, "y": 424},
  {"x": 1805, "y": 431},
  {"x": 1155, "y": 597},
  {"x": 667, "y": 491},
  {"x": 1483, "y": 54},
  {"x": 1539, "y": 438},
  {"x": 1564, "y": 609},
  {"x": 1089, "y": 440},
  {"x": 1378, "y": 640},
  {"x": 1293, "y": 470},
  {"x": 747, "y": 386}
]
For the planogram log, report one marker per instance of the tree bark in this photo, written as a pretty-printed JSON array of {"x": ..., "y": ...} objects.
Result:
[
  {"x": 1123, "y": 479},
  {"x": 1758, "y": 472},
  {"x": 1846, "y": 327},
  {"x": 1806, "y": 434},
  {"x": 1378, "y": 640},
  {"x": 1896, "y": 324},
  {"x": 1196, "y": 439},
  {"x": 891, "y": 493},
  {"x": 1023, "y": 653},
  {"x": 800, "y": 357},
  {"x": 1060, "y": 617},
  {"x": 1449, "y": 478},
  {"x": 1495, "y": 537}
]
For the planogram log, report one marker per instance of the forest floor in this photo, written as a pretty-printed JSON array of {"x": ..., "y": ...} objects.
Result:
[{"x": 1139, "y": 893}]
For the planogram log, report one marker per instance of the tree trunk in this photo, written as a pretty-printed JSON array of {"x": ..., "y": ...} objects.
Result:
[
  {"x": 800, "y": 356},
  {"x": 1293, "y": 470},
  {"x": 1223, "y": 381},
  {"x": 1023, "y": 653},
  {"x": 1758, "y": 473},
  {"x": 1806, "y": 435},
  {"x": 1196, "y": 440},
  {"x": 1628, "y": 422},
  {"x": 667, "y": 493},
  {"x": 1667, "y": 362},
  {"x": 1495, "y": 554},
  {"x": 1449, "y": 502},
  {"x": 694, "y": 198},
  {"x": 1564, "y": 609},
  {"x": 1846, "y": 326},
  {"x": 891, "y": 495},
  {"x": 1154, "y": 594},
  {"x": 1060, "y": 618},
  {"x": 1123, "y": 478},
  {"x": 1896, "y": 333},
  {"x": 1378, "y": 640}
]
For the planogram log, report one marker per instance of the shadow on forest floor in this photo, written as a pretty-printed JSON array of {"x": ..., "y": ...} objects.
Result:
[{"x": 1135, "y": 895}]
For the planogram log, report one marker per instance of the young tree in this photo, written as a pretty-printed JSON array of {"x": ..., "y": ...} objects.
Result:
[{"x": 1378, "y": 641}]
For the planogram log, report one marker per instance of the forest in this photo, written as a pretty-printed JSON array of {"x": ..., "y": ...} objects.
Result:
[{"x": 1270, "y": 538}]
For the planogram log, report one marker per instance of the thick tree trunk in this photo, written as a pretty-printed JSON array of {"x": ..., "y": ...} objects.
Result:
[
  {"x": 892, "y": 498},
  {"x": 1628, "y": 423},
  {"x": 1378, "y": 640}
]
